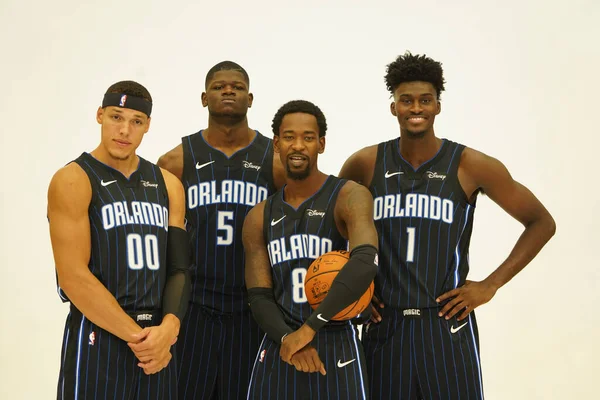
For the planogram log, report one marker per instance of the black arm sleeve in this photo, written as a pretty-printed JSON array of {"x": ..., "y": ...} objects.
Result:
[
  {"x": 177, "y": 288},
  {"x": 267, "y": 314},
  {"x": 348, "y": 286}
]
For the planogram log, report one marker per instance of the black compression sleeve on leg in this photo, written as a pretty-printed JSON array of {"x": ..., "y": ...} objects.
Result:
[
  {"x": 177, "y": 290},
  {"x": 348, "y": 286},
  {"x": 267, "y": 314}
]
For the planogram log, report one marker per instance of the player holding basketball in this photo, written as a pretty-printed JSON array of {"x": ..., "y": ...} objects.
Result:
[
  {"x": 313, "y": 214},
  {"x": 425, "y": 190}
]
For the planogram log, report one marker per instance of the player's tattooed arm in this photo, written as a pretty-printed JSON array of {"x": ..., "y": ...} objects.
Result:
[
  {"x": 359, "y": 167},
  {"x": 69, "y": 196},
  {"x": 356, "y": 205},
  {"x": 266, "y": 312},
  {"x": 477, "y": 172},
  {"x": 172, "y": 161},
  {"x": 354, "y": 215},
  {"x": 154, "y": 351}
]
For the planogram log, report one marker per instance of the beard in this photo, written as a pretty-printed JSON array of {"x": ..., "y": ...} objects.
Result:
[
  {"x": 297, "y": 175},
  {"x": 416, "y": 135},
  {"x": 230, "y": 117}
]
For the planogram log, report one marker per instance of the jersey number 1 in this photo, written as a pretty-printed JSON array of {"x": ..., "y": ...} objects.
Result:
[{"x": 410, "y": 246}]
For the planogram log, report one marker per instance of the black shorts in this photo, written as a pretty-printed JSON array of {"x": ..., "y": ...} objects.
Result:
[
  {"x": 414, "y": 354},
  {"x": 341, "y": 352},
  {"x": 215, "y": 353},
  {"x": 95, "y": 364}
]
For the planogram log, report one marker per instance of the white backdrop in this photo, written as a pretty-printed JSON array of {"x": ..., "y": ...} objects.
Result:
[{"x": 522, "y": 86}]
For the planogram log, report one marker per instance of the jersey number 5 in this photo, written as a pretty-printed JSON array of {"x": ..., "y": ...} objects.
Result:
[{"x": 222, "y": 218}]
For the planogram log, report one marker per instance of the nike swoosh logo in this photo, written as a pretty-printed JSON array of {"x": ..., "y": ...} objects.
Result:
[
  {"x": 200, "y": 166},
  {"x": 343, "y": 364},
  {"x": 388, "y": 175},
  {"x": 319, "y": 316},
  {"x": 454, "y": 330},
  {"x": 273, "y": 222},
  {"x": 107, "y": 183}
]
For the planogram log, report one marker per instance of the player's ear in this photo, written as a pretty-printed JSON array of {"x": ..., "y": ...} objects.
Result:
[
  {"x": 250, "y": 99},
  {"x": 276, "y": 148},
  {"x": 99, "y": 114},
  {"x": 321, "y": 144},
  {"x": 204, "y": 99},
  {"x": 393, "y": 109},
  {"x": 439, "y": 107},
  {"x": 147, "y": 125}
]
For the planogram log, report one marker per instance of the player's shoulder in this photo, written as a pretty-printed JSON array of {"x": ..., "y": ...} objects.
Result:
[
  {"x": 71, "y": 174},
  {"x": 171, "y": 181},
  {"x": 261, "y": 141},
  {"x": 172, "y": 160},
  {"x": 366, "y": 155},
  {"x": 353, "y": 192},
  {"x": 360, "y": 165},
  {"x": 70, "y": 184},
  {"x": 253, "y": 221},
  {"x": 471, "y": 158}
]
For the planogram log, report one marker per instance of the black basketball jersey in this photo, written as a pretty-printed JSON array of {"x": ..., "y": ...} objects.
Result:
[
  {"x": 295, "y": 238},
  {"x": 220, "y": 191},
  {"x": 129, "y": 219},
  {"x": 424, "y": 222}
]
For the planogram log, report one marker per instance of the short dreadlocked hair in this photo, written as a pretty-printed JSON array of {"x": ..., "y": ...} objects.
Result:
[
  {"x": 130, "y": 88},
  {"x": 411, "y": 68},
  {"x": 225, "y": 66},
  {"x": 299, "y": 106}
]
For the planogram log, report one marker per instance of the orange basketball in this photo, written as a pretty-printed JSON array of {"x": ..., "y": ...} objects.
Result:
[{"x": 319, "y": 277}]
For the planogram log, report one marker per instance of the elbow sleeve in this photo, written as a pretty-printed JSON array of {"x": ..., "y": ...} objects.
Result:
[
  {"x": 177, "y": 290},
  {"x": 348, "y": 286}
]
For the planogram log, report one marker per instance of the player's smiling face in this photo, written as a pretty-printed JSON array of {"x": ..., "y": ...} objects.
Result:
[
  {"x": 227, "y": 94},
  {"x": 299, "y": 144},
  {"x": 415, "y": 105},
  {"x": 122, "y": 130}
]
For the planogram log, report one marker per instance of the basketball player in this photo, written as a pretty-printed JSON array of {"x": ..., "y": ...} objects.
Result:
[
  {"x": 313, "y": 214},
  {"x": 226, "y": 169},
  {"x": 120, "y": 249},
  {"x": 425, "y": 190}
]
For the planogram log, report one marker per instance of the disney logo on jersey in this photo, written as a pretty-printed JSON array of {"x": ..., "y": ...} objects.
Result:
[
  {"x": 248, "y": 164},
  {"x": 434, "y": 175},
  {"x": 148, "y": 184},
  {"x": 315, "y": 213}
]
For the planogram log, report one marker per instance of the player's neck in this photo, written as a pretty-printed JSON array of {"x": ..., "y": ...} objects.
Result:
[
  {"x": 225, "y": 136},
  {"x": 126, "y": 167},
  {"x": 419, "y": 150},
  {"x": 297, "y": 191}
]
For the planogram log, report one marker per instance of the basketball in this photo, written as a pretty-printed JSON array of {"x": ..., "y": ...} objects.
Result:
[{"x": 319, "y": 278}]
